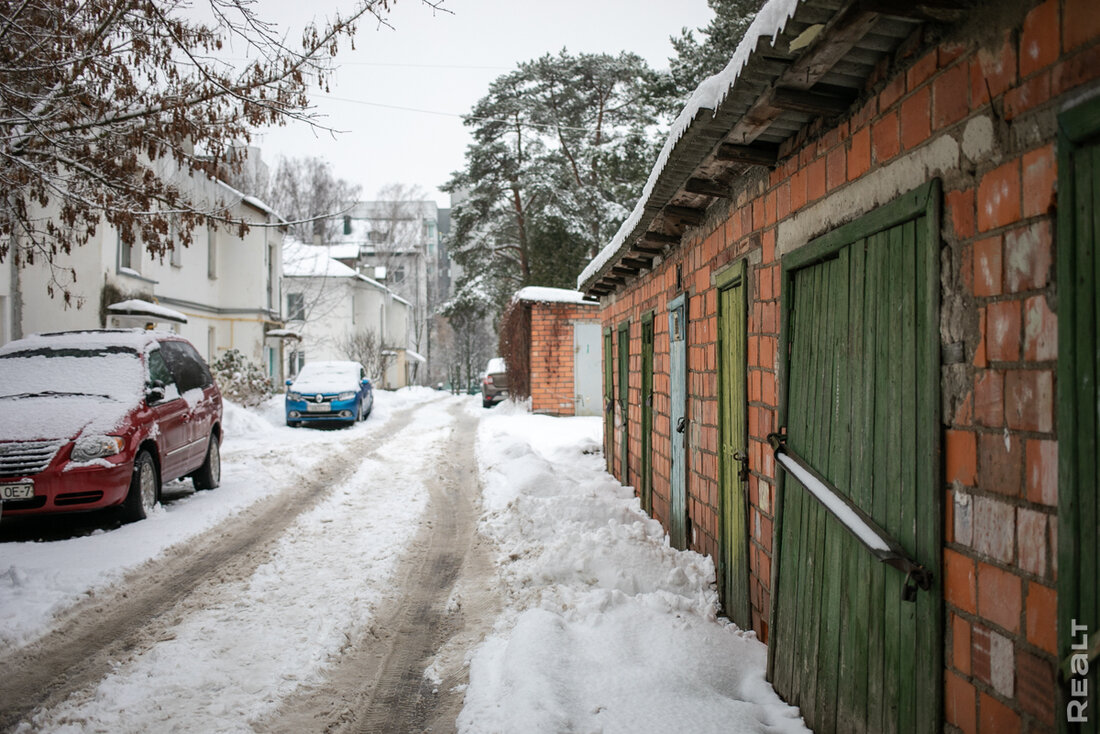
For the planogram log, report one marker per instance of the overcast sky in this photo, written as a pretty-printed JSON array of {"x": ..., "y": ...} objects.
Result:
[{"x": 399, "y": 96}]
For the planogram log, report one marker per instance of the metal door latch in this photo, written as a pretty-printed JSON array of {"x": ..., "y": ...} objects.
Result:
[
  {"x": 742, "y": 458},
  {"x": 681, "y": 424}
]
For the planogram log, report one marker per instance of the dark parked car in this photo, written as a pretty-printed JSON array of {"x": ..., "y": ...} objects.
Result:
[
  {"x": 494, "y": 386},
  {"x": 329, "y": 391},
  {"x": 100, "y": 418}
]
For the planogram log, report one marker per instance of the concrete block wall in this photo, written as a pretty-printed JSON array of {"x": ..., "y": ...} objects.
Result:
[{"x": 976, "y": 107}]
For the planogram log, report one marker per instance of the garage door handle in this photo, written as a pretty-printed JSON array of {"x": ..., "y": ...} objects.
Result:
[
  {"x": 881, "y": 545},
  {"x": 681, "y": 424}
]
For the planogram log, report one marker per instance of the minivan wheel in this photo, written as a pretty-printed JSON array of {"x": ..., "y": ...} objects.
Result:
[
  {"x": 209, "y": 475},
  {"x": 144, "y": 489}
]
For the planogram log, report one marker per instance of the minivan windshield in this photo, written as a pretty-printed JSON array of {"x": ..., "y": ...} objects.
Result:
[{"x": 110, "y": 372}]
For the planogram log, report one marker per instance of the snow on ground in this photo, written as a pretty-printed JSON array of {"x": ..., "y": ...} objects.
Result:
[
  {"x": 605, "y": 626},
  {"x": 39, "y": 580}
]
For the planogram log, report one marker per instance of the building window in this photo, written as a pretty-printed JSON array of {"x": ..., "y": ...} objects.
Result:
[
  {"x": 295, "y": 307},
  {"x": 211, "y": 251},
  {"x": 128, "y": 257},
  {"x": 347, "y": 225},
  {"x": 399, "y": 274}
]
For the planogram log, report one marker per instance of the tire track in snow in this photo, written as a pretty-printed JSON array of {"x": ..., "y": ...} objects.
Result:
[{"x": 149, "y": 608}]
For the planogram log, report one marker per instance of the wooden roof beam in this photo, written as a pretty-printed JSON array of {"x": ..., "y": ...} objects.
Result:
[
  {"x": 661, "y": 238},
  {"x": 688, "y": 214},
  {"x": 634, "y": 262},
  {"x": 812, "y": 103},
  {"x": 705, "y": 187},
  {"x": 752, "y": 155}
]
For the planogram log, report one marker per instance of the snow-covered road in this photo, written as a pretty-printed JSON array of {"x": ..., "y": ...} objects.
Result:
[{"x": 332, "y": 568}]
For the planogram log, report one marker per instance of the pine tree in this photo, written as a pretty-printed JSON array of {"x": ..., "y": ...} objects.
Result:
[{"x": 695, "y": 61}]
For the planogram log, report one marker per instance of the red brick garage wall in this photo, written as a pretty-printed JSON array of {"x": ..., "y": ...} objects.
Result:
[
  {"x": 552, "y": 389},
  {"x": 998, "y": 332}
]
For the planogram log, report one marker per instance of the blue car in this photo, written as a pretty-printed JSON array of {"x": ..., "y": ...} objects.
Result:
[{"x": 329, "y": 392}]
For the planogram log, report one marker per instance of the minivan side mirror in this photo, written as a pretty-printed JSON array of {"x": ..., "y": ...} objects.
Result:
[{"x": 154, "y": 393}]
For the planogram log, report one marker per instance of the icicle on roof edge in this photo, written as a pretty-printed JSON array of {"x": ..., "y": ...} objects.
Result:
[{"x": 770, "y": 21}]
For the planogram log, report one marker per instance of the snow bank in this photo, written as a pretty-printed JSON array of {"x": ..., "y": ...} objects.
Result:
[{"x": 606, "y": 626}]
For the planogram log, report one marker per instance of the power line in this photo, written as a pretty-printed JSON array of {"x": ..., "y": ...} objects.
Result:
[{"x": 448, "y": 114}]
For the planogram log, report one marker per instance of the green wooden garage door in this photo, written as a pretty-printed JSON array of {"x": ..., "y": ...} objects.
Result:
[
  {"x": 1079, "y": 417},
  {"x": 861, "y": 406}
]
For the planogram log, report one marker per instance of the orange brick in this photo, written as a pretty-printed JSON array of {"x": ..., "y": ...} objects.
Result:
[
  {"x": 960, "y": 206},
  {"x": 960, "y": 644},
  {"x": 959, "y": 703},
  {"x": 987, "y": 267},
  {"x": 999, "y": 197},
  {"x": 859, "y": 153},
  {"x": 992, "y": 72},
  {"x": 1040, "y": 173},
  {"x": 1042, "y": 617},
  {"x": 1041, "y": 462},
  {"x": 960, "y": 581},
  {"x": 999, "y": 596},
  {"x": 989, "y": 397},
  {"x": 1002, "y": 331},
  {"x": 1080, "y": 23},
  {"x": 1031, "y": 93},
  {"x": 916, "y": 118},
  {"x": 815, "y": 180},
  {"x": 1075, "y": 71},
  {"x": 996, "y": 718},
  {"x": 885, "y": 140},
  {"x": 950, "y": 101},
  {"x": 836, "y": 172},
  {"x": 1028, "y": 258},
  {"x": 1040, "y": 330},
  {"x": 961, "y": 457},
  {"x": 921, "y": 71},
  {"x": 1039, "y": 39},
  {"x": 892, "y": 92}
]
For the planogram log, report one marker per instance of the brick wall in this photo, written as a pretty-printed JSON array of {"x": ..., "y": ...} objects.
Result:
[
  {"x": 552, "y": 388},
  {"x": 989, "y": 98}
]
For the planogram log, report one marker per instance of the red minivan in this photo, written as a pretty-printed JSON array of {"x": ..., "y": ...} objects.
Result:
[{"x": 101, "y": 418}]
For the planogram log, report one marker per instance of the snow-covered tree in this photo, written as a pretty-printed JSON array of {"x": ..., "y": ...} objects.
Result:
[
  {"x": 562, "y": 147},
  {"x": 694, "y": 60},
  {"x": 98, "y": 98}
]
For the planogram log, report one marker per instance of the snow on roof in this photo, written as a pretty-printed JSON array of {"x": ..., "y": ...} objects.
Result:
[
  {"x": 343, "y": 250},
  {"x": 309, "y": 261},
  {"x": 139, "y": 307},
  {"x": 769, "y": 21},
  {"x": 415, "y": 356},
  {"x": 551, "y": 295}
]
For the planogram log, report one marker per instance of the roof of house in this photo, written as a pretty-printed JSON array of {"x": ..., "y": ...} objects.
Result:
[
  {"x": 551, "y": 295},
  {"x": 800, "y": 60}
]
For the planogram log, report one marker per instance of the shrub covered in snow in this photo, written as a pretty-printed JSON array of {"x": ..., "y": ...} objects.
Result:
[{"x": 240, "y": 380}]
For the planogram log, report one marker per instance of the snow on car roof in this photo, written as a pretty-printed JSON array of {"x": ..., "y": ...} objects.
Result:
[
  {"x": 136, "y": 339},
  {"x": 496, "y": 365}
]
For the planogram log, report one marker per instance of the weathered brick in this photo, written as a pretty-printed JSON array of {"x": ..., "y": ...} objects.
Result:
[
  {"x": 1040, "y": 173},
  {"x": 1080, "y": 23},
  {"x": 995, "y": 717},
  {"x": 992, "y": 656},
  {"x": 999, "y": 197},
  {"x": 1035, "y": 686},
  {"x": 1002, "y": 331},
  {"x": 1029, "y": 94},
  {"x": 1078, "y": 69},
  {"x": 994, "y": 528},
  {"x": 961, "y": 451},
  {"x": 885, "y": 140},
  {"x": 1040, "y": 330},
  {"x": 836, "y": 170},
  {"x": 1001, "y": 464},
  {"x": 999, "y": 597},
  {"x": 988, "y": 273},
  {"x": 1027, "y": 257},
  {"x": 1039, "y": 38},
  {"x": 960, "y": 644},
  {"x": 959, "y": 703},
  {"x": 1042, "y": 617},
  {"x": 921, "y": 71},
  {"x": 859, "y": 153},
  {"x": 815, "y": 180},
  {"x": 1029, "y": 400},
  {"x": 916, "y": 118},
  {"x": 960, "y": 208},
  {"x": 1042, "y": 471},
  {"x": 989, "y": 389},
  {"x": 950, "y": 100},
  {"x": 992, "y": 71},
  {"x": 960, "y": 581},
  {"x": 1031, "y": 538}
]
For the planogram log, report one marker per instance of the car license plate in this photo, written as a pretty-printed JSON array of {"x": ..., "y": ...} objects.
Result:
[
  {"x": 22, "y": 491},
  {"x": 318, "y": 408}
]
